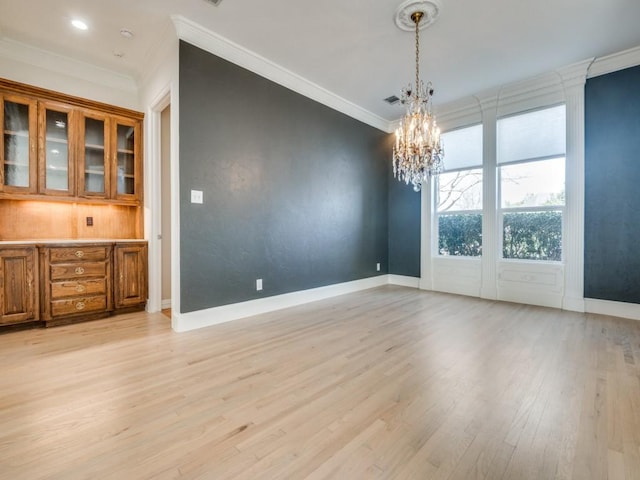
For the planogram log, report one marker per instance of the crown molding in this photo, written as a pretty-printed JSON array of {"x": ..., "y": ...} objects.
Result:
[
  {"x": 459, "y": 113},
  {"x": 165, "y": 48},
  {"x": 205, "y": 39},
  {"x": 36, "y": 57},
  {"x": 575, "y": 75},
  {"x": 541, "y": 90},
  {"x": 535, "y": 92},
  {"x": 614, "y": 62}
]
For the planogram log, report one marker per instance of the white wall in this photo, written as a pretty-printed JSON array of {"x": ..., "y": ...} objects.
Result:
[{"x": 33, "y": 66}]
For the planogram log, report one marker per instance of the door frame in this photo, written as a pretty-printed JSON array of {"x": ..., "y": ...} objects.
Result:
[{"x": 153, "y": 212}]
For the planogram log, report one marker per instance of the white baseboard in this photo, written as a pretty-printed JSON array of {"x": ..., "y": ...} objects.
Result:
[
  {"x": 404, "y": 281},
  {"x": 573, "y": 304},
  {"x": 615, "y": 309},
  {"x": 165, "y": 303},
  {"x": 184, "y": 322}
]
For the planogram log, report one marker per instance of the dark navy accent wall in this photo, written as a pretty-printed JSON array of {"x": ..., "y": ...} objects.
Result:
[
  {"x": 295, "y": 193},
  {"x": 612, "y": 187},
  {"x": 404, "y": 227}
]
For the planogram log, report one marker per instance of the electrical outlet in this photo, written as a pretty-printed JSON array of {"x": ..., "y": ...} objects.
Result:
[
  {"x": 258, "y": 284},
  {"x": 377, "y": 267},
  {"x": 89, "y": 221}
]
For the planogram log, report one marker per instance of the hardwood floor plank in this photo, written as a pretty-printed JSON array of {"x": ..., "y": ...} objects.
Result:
[{"x": 387, "y": 383}]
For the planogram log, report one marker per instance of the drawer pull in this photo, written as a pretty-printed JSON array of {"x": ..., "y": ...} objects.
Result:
[
  {"x": 80, "y": 306},
  {"x": 79, "y": 270},
  {"x": 79, "y": 253},
  {"x": 80, "y": 288}
]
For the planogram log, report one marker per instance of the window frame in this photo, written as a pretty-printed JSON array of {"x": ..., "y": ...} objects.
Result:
[
  {"x": 500, "y": 210},
  {"x": 436, "y": 200}
]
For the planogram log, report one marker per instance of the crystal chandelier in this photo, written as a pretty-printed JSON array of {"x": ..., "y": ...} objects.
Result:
[{"x": 418, "y": 150}]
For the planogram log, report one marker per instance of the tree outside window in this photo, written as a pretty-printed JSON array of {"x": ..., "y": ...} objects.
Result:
[
  {"x": 531, "y": 171},
  {"x": 459, "y": 194}
]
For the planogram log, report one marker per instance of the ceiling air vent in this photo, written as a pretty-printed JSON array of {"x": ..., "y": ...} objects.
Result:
[
  {"x": 392, "y": 100},
  {"x": 214, "y": 2}
]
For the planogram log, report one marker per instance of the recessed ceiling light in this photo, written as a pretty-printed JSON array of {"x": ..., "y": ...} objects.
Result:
[
  {"x": 79, "y": 24},
  {"x": 125, "y": 32}
]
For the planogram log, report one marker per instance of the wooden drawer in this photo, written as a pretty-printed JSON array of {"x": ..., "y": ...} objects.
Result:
[
  {"x": 78, "y": 305},
  {"x": 78, "y": 270},
  {"x": 78, "y": 254},
  {"x": 80, "y": 287}
]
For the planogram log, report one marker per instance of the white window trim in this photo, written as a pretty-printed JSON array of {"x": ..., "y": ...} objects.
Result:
[
  {"x": 435, "y": 251},
  {"x": 526, "y": 281},
  {"x": 500, "y": 210}
]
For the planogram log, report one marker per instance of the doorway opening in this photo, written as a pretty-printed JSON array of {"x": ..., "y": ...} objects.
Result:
[{"x": 165, "y": 209}]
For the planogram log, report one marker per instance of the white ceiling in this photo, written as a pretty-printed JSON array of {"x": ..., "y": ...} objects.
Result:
[{"x": 349, "y": 47}]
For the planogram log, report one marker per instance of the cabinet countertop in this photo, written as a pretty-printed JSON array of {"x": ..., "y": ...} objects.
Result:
[{"x": 71, "y": 241}]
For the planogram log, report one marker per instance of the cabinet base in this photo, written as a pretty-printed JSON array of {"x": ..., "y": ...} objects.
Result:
[
  {"x": 54, "y": 322},
  {"x": 134, "y": 308},
  {"x": 15, "y": 327}
]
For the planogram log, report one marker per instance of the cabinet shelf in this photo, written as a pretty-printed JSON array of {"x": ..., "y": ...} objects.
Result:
[
  {"x": 93, "y": 147},
  {"x": 14, "y": 133},
  {"x": 16, "y": 164},
  {"x": 57, "y": 140},
  {"x": 94, "y": 172}
]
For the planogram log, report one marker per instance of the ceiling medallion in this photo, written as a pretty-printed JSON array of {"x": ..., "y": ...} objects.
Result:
[{"x": 430, "y": 11}]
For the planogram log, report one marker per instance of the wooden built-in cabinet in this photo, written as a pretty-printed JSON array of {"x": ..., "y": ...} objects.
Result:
[
  {"x": 130, "y": 275},
  {"x": 18, "y": 285},
  {"x": 109, "y": 158},
  {"x": 70, "y": 188},
  {"x": 76, "y": 281},
  {"x": 58, "y": 283},
  {"x": 65, "y": 147},
  {"x": 18, "y": 144},
  {"x": 56, "y": 150}
]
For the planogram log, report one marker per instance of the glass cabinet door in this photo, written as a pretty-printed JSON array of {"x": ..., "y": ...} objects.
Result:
[
  {"x": 18, "y": 144},
  {"x": 94, "y": 174},
  {"x": 56, "y": 165},
  {"x": 127, "y": 168}
]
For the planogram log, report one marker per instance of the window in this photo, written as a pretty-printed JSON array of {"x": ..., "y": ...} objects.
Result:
[
  {"x": 531, "y": 179},
  {"x": 459, "y": 194}
]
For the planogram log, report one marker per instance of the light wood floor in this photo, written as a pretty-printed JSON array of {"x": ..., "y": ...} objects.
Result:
[{"x": 389, "y": 383}]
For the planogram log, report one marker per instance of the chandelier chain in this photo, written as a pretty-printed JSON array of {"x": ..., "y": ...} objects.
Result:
[{"x": 417, "y": 86}]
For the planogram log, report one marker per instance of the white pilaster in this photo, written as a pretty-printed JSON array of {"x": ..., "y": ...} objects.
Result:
[
  {"x": 573, "y": 79},
  {"x": 426, "y": 229},
  {"x": 488, "y": 289}
]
